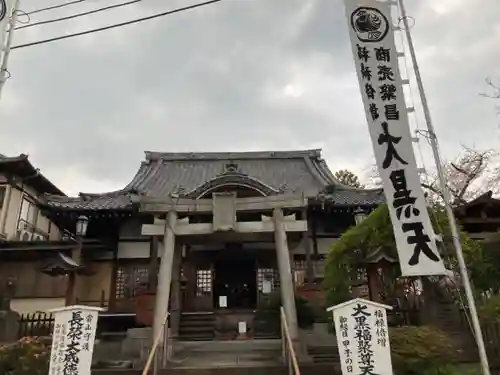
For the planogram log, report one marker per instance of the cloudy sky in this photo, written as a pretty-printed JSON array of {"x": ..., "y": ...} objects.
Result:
[{"x": 234, "y": 76}]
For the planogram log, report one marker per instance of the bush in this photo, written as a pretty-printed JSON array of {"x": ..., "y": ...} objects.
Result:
[
  {"x": 28, "y": 356},
  {"x": 419, "y": 350},
  {"x": 489, "y": 311}
]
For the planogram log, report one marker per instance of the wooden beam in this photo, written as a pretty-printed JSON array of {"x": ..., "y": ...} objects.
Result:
[
  {"x": 156, "y": 206},
  {"x": 185, "y": 229}
]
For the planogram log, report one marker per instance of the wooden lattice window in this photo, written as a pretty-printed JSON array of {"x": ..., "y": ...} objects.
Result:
[
  {"x": 299, "y": 265},
  {"x": 269, "y": 274},
  {"x": 130, "y": 280},
  {"x": 203, "y": 282}
]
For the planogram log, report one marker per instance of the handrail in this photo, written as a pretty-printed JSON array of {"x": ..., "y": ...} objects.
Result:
[
  {"x": 287, "y": 343},
  {"x": 162, "y": 332}
]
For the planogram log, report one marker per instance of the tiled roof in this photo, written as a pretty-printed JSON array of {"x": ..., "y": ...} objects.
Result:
[
  {"x": 21, "y": 167},
  {"x": 192, "y": 174},
  {"x": 345, "y": 196},
  {"x": 108, "y": 201}
]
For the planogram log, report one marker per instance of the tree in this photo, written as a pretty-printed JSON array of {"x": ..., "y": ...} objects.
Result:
[
  {"x": 494, "y": 90},
  {"x": 375, "y": 233},
  {"x": 471, "y": 174},
  {"x": 348, "y": 178}
]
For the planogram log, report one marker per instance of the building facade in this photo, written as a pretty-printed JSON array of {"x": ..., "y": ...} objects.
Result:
[
  {"x": 210, "y": 233},
  {"x": 25, "y": 228}
]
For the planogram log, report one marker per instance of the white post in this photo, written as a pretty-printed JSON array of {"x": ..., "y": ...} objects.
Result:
[
  {"x": 165, "y": 275},
  {"x": 285, "y": 271},
  {"x": 446, "y": 198},
  {"x": 8, "y": 45}
]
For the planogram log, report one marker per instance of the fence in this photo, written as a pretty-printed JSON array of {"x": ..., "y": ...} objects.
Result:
[
  {"x": 491, "y": 335},
  {"x": 36, "y": 324}
]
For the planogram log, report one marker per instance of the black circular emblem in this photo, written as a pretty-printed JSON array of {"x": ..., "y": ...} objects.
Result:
[
  {"x": 369, "y": 24},
  {"x": 3, "y": 9}
]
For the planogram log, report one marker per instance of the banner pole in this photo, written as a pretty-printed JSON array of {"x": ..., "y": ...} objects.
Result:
[
  {"x": 8, "y": 45},
  {"x": 447, "y": 199}
]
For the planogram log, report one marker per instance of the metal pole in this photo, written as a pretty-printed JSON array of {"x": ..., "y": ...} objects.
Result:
[
  {"x": 446, "y": 198},
  {"x": 3, "y": 67}
]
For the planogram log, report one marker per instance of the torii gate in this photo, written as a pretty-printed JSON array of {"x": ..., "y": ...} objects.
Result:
[{"x": 224, "y": 207}]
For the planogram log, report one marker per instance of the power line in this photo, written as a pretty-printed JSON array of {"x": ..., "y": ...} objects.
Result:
[
  {"x": 55, "y": 6},
  {"x": 158, "y": 15},
  {"x": 77, "y": 15}
]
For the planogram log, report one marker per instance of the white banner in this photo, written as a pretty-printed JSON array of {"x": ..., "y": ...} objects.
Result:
[
  {"x": 362, "y": 337},
  {"x": 73, "y": 340},
  {"x": 5, "y": 14},
  {"x": 372, "y": 39}
]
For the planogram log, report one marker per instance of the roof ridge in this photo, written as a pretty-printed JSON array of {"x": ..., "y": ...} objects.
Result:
[
  {"x": 107, "y": 194},
  {"x": 284, "y": 154}
]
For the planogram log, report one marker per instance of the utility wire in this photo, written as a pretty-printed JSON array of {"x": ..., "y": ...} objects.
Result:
[
  {"x": 109, "y": 27},
  {"x": 55, "y": 6},
  {"x": 77, "y": 15}
]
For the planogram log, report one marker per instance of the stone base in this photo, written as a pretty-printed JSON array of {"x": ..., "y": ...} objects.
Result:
[
  {"x": 9, "y": 326},
  {"x": 137, "y": 344}
]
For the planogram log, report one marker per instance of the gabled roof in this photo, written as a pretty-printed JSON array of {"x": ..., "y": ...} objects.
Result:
[
  {"x": 193, "y": 174},
  {"x": 484, "y": 199},
  {"x": 22, "y": 168}
]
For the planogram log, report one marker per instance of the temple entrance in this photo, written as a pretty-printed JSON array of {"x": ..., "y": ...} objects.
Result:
[{"x": 235, "y": 279}]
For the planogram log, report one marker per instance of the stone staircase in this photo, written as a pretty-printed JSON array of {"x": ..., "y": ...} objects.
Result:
[
  {"x": 197, "y": 326},
  {"x": 324, "y": 354},
  {"x": 203, "y": 354}
]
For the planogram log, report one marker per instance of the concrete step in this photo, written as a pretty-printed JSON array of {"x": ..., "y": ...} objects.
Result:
[
  {"x": 226, "y": 353},
  {"x": 197, "y": 326},
  {"x": 324, "y": 354},
  {"x": 310, "y": 369}
]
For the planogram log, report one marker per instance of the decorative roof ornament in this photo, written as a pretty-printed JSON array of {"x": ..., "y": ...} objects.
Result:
[
  {"x": 231, "y": 167},
  {"x": 283, "y": 188},
  {"x": 180, "y": 191}
]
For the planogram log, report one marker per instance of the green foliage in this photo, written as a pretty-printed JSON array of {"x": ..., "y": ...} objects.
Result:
[
  {"x": 451, "y": 370},
  {"x": 421, "y": 350},
  {"x": 489, "y": 311},
  {"x": 485, "y": 268},
  {"x": 352, "y": 247},
  {"x": 348, "y": 178},
  {"x": 28, "y": 356},
  {"x": 375, "y": 233}
]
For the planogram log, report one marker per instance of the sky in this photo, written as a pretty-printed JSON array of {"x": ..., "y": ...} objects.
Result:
[{"x": 239, "y": 75}]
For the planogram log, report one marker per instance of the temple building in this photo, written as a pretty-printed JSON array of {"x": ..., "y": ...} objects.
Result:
[{"x": 204, "y": 235}]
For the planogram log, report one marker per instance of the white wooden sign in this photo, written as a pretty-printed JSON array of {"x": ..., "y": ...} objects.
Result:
[
  {"x": 362, "y": 337},
  {"x": 5, "y": 14},
  {"x": 222, "y": 301},
  {"x": 242, "y": 327},
  {"x": 375, "y": 55},
  {"x": 73, "y": 340},
  {"x": 266, "y": 287}
]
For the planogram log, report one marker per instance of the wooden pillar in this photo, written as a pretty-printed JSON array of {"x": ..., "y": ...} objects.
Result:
[
  {"x": 165, "y": 274},
  {"x": 286, "y": 279},
  {"x": 114, "y": 276},
  {"x": 373, "y": 282},
  {"x": 175, "y": 300},
  {"x": 306, "y": 237},
  {"x": 314, "y": 238},
  {"x": 154, "y": 264}
]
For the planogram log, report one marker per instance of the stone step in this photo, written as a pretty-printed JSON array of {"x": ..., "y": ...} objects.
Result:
[
  {"x": 195, "y": 323},
  {"x": 189, "y": 328},
  {"x": 309, "y": 369},
  {"x": 231, "y": 346},
  {"x": 324, "y": 354}
]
